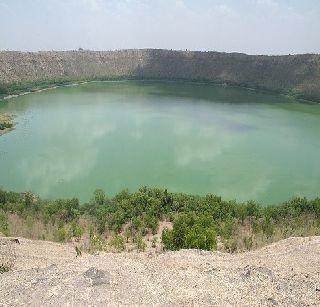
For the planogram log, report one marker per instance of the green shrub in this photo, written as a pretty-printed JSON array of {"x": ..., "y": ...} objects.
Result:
[
  {"x": 127, "y": 234},
  {"x": 117, "y": 243},
  {"x": 99, "y": 197},
  {"x": 4, "y": 226},
  {"x": 267, "y": 227},
  {"x": 167, "y": 239},
  {"x": 226, "y": 228},
  {"x": 191, "y": 231},
  {"x": 141, "y": 245},
  {"x": 231, "y": 245},
  {"x": 97, "y": 243},
  {"x": 76, "y": 230},
  {"x": 248, "y": 242},
  {"x": 61, "y": 234}
]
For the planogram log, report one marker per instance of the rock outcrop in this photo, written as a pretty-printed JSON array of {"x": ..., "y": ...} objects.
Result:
[{"x": 293, "y": 74}]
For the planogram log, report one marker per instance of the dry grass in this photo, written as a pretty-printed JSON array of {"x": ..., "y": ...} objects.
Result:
[
  {"x": 243, "y": 236},
  {"x": 30, "y": 228}
]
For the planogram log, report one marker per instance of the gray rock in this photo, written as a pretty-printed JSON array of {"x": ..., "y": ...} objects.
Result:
[
  {"x": 246, "y": 272},
  {"x": 272, "y": 301},
  {"x": 97, "y": 277},
  {"x": 52, "y": 267},
  {"x": 257, "y": 272}
]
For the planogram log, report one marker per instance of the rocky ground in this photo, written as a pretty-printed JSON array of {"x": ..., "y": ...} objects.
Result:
[{"x": 286, "y": 273}]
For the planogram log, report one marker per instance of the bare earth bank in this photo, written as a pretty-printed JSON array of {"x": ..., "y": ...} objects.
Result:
[{"x": 46, "y": 273}]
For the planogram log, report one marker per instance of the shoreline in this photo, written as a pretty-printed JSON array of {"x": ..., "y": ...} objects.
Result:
[
  {"x": 224, "y": 85},
  {"x": 75, "y": 83},
  {"x": 10, "y": 96}
]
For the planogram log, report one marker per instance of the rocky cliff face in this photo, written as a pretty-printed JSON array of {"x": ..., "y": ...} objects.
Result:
[{"x": 294, "y": 74}]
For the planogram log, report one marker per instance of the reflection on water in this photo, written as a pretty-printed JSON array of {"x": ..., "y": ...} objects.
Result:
[{"x": 190, "y": 138}]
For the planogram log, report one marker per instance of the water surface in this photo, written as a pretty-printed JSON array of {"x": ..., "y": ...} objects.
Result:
[{"x": 191, "y": 138}]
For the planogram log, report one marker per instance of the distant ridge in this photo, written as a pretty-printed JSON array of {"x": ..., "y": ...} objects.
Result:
[{"x": 296, "y": 75}]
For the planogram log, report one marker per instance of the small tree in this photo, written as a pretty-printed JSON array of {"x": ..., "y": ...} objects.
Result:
[
  {"x": 191, "y": 231},
  {"x": 4, "y": 227},
  {"x": 99, "y": 197},
  {"x": 267, "y": 227},
  {"x": 248, "y": 242},
  {"x": 28, "y": 199},
  {"x": 61, "y": 234},
  {"x": 76, "y": 230},
  {"x": 117, "y": 243},
  {"x": 127, "y": 234},
  {"x": 141, "y": 245}
]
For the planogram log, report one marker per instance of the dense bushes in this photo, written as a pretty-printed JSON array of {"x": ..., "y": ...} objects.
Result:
[
  {"x": 191, "y": 231},
  {"x": 201, "y": 222}
]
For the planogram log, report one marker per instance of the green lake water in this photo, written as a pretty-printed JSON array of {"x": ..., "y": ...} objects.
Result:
[{"x": 192, "y": 138}]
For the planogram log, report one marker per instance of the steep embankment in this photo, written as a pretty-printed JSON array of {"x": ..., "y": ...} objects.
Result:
[
  {"x": 298, "y": 75},
  {"x": 286, "y": 273}
]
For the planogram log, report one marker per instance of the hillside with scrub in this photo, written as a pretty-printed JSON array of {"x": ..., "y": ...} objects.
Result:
[{"x": 155, "y": 219}]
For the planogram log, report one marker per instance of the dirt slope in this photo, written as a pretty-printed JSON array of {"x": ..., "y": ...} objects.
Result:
[{"x": 285, "y": 273}]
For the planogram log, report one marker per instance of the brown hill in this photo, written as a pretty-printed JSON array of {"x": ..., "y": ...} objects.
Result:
[{"x": 298, "y": 75}]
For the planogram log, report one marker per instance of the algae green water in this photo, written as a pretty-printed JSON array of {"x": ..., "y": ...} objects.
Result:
[{"x": 193, "y": 138}]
